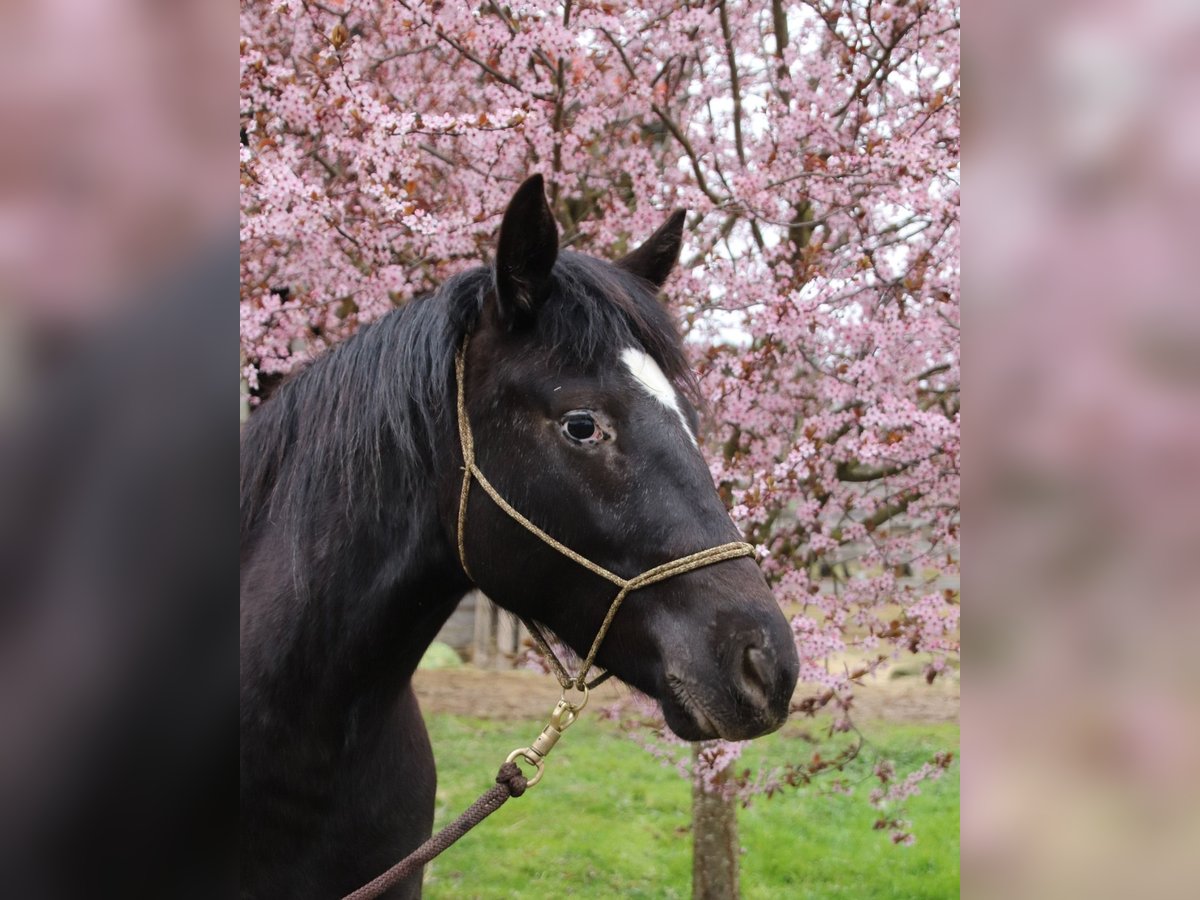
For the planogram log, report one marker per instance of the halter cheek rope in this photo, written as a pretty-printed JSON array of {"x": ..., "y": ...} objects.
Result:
[{"x": 510, "y": 782}]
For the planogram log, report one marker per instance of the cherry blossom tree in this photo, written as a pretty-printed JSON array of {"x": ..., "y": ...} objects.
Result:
[{"x": 815, "y": 145}]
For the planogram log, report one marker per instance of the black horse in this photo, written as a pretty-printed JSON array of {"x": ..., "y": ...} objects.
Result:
[{"x": 581, "y": 404}]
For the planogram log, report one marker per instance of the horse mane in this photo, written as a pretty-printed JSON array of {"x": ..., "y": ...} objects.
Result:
[{"x": 373, "y": 413}]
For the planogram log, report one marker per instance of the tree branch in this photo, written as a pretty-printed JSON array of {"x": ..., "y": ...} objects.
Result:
[
  {"x": 677, "y": 132},
  {"x": 887, "y": 513},
  {"x": 734, "y": 83},
  {"x": 780, "y": 25},
  {"x": 852, "y": 472},
  {"x": 467, "y": 54}
]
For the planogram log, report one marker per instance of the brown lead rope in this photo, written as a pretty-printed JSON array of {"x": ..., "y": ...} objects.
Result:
[{"x": 510, "y": 782}]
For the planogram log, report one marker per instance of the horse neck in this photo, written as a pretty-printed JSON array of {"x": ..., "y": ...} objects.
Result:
[{"x": 342, "y": 626}]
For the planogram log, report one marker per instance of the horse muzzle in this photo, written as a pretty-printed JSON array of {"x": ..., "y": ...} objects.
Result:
[{"x": 743, "y": 692}]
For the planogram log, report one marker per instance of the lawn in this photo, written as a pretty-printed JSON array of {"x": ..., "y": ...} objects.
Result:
[{"x": 610, "y": 821}]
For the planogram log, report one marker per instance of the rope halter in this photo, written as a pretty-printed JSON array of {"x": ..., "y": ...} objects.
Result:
[{"x": 625, "y": 586}]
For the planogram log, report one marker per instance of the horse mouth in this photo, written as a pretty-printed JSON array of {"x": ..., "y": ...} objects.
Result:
[
  {"x": 695, "y": 720},
  {"x": 685, "y": 714}
]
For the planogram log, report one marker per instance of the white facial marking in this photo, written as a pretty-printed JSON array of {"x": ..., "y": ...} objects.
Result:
[{"x": 647, "y": 373}]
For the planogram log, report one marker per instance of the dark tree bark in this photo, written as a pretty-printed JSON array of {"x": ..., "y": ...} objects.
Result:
[{"x": 715, "y": 843}]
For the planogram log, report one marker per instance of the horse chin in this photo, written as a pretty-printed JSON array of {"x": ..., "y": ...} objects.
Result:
[
  {"x": 691, "y": 719},
  {"x": 690, "y": 722}
]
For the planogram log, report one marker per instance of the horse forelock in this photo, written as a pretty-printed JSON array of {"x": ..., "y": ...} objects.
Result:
[{"x": 598, "y": 310}]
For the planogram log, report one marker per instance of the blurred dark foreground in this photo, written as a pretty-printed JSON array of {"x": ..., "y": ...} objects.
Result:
[
  {"x": 118, "y": 449},
  {"x": 118, "y": 630}
]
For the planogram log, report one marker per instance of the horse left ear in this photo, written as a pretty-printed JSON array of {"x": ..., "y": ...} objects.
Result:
[
  {"x": 526, "y": 251},
  {"x": 655, "y": 259}
]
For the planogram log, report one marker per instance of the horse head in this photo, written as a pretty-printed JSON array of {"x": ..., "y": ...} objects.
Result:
[{"x": 583, "y": 416}]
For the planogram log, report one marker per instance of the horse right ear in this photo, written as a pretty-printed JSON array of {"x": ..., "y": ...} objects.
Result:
[
  {"x": 655, "y": 259},
  {"x": 526, "y": 251}
]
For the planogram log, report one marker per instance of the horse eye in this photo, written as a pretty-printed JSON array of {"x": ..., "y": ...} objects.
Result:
[{"x": 580, "y": 426}]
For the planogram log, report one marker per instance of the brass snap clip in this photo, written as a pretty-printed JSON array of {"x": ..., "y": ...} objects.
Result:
[{"x": 564, "y": 715}]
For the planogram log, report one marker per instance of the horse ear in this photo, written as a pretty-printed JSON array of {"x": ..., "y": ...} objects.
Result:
[
  {"x": 526, "y": 251},
  {"x": 655, "y": 259}
]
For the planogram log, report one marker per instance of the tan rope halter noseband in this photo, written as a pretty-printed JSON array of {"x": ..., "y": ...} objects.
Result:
[{"x": 689, "y": 563}]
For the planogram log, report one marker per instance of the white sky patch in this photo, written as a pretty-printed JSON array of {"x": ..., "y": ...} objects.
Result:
[{"x": 647, "y": 373}]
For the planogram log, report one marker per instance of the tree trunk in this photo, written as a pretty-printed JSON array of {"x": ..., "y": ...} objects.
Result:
[{"x": 714, "y": 842}]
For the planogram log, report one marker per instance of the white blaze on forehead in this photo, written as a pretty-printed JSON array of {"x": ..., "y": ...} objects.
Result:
[{"x": 647, "y": 373}]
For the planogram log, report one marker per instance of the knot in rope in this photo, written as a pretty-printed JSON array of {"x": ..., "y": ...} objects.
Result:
[{"x": 510, "y": 777}]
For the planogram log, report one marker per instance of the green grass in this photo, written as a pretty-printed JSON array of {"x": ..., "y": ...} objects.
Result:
[{"x": 610, "y": 821}]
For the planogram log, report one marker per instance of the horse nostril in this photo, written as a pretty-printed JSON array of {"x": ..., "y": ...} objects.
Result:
[{"x": 756, "y": 672}]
